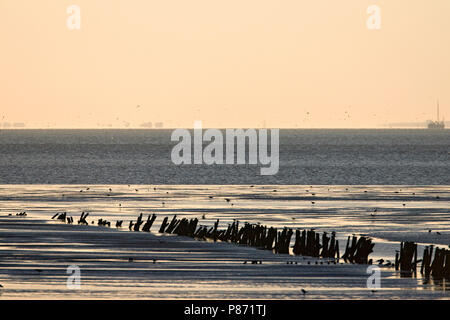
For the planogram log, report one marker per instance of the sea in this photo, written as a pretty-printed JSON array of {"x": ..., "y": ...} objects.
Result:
[{"x": 306, "y": 157}]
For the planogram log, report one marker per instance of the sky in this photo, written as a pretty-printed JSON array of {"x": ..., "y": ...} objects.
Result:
[{"x": 234, "y": 63}]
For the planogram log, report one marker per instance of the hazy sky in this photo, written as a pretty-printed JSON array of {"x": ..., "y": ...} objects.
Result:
[{"x": 235, "y": 63}]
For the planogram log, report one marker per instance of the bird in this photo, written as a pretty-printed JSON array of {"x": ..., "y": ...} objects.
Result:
[
  {"x": 304, "y": 291},
  {"x": 312, "y": 202},
  {"x": 227, "y": 200},
  {"x": 438, "y": 233}
]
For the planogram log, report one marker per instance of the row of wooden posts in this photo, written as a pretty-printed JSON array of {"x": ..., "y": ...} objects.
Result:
[
  {"x": 307, "y": 242},
  {"x": 438, "y": 266}
]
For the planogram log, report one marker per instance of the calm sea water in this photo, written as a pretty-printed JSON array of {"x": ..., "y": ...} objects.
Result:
[{"x": 324, "y": 157}]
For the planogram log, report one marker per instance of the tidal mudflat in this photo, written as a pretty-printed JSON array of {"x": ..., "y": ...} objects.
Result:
[{"x": 35, "y": 250}]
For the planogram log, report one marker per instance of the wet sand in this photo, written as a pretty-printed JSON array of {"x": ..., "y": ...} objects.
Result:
[{"x": 36, "y": 251}]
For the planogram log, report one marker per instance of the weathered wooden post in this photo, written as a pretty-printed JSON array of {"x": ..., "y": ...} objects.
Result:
[{"x": 163, "y": 225}]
